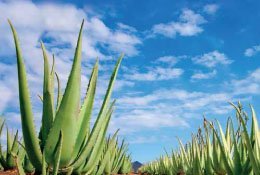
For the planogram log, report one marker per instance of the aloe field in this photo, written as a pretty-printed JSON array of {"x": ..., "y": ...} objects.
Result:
[
  {"x": 129, "y": 87},
  {"x": 214, "y": 150}
]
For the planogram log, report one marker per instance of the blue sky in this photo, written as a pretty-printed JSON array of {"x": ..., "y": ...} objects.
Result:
[{"x": 182, "y": 60}]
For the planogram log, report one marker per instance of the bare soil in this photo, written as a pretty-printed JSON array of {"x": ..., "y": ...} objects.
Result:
[
  {"x": 9, "y": 172},
  {"x": 15, "y": 172}
]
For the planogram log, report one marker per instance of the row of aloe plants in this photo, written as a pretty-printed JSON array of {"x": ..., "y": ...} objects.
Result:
[
  {"x": 66, "y": 142},
  {"x": 213, "y": 151}
]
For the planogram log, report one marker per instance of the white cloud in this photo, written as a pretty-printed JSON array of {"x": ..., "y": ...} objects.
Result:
[
  {"x": 189, "y": 100},
  {"x": 119, "y": 84},
  {"x": 8, "y": 86},
  {"x": 138, "y": 100},
  {"x": 200, "y": 75},
  {"x": 169, "y": 107},
  {"x": 142, "y": 139},
  {"x": 189, "y": 24},
  {"x": 58, "y": 24},
  {"x": 174, "y": 107},
  {"x": 137, "y": 120},
  {"x": 125, "y": 27},
  {"x": 212, "y": 59},
  {"x": 211, "y": 9},
  {"x": 169, "y": 59},
  {"x": 155, "y": 74},
  {"x": 248, "y": 85},
  {"x": 6, "y": 96},
  {"x": 162, "y": 69},
  {"x": 252, "y": 51}
]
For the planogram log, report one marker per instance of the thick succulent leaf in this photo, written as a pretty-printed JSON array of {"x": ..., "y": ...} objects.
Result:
[
  {"x": 184, "y": 155},
  {"x": 2, "y": 123},
  {"x": 8, "y": 156},
  {"x": 96, "y": 150},
  {"x": 215, "y": 154},
  {"x": 27, "y": 165},
  {"x": 19, "y": 165},
  {"x": 14, "y": 150},
  {"x": 236, "y": 156},
  {"x": 29, "y": 133},
  {"x": 228, "y": 135},
  {"x": 43, "y": 165},
  {"x": 105, "y": 160},
  {"x": 9, "y": 142},
  {"x": 58, "y": 155},
  {"x": 52, "y": 80},
  {"x": 208, "y": 163},
  {"x": 21, "y": 153},
  {"x": 225, "y": 145},
  {"x": 251, "y": 154},
  {"x": 59, "y": 96},
  {"x": 255, "y": 138},
  {"x": 224, "y": 155},
  {"x": 90, "y": 168},
  {"x": 112, "y": 154},
  {"x": 101, "y": 117},
  {"x": 48, "y": 107},
  {"x": 83, "y": 122},
  {"x": 65, "y": 119},
  {"x": 119, "y": 157},
  {"x": 1, "y": 129}
]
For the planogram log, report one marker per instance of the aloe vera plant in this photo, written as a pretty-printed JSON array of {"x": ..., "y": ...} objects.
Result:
[
  {"x": 126, "y": 166},
  {"x": 121, "y": 159},
  {"x": 234, "y": 151},
  {"x": 114, "y": 159},
  {"x": 14, "y": 151},
  {"x": 6, "y": 159},
  {"x": 65, "y": 143}
]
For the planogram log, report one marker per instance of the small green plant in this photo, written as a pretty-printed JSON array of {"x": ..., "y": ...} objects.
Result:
[
  {"x": 126, "y": 165},
  {"x": 13, "y": 153},
  {"x": 12, "y": 147},
  {"x": 114, "y": 158}
]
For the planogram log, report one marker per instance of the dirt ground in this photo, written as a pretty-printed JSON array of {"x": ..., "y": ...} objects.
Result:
[
  {"x": 14, "y": 172},
  {"x": 9, "y": 172}
]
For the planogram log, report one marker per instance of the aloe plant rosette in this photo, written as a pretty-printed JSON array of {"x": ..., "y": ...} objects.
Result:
[{"x": 65, "y": 141}]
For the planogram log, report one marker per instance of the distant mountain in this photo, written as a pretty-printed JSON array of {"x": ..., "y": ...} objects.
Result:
[{"x": 136, "y": 165}]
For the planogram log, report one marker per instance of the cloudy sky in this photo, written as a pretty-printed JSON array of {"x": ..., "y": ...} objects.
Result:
[{"x": 182, "y": 60}]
